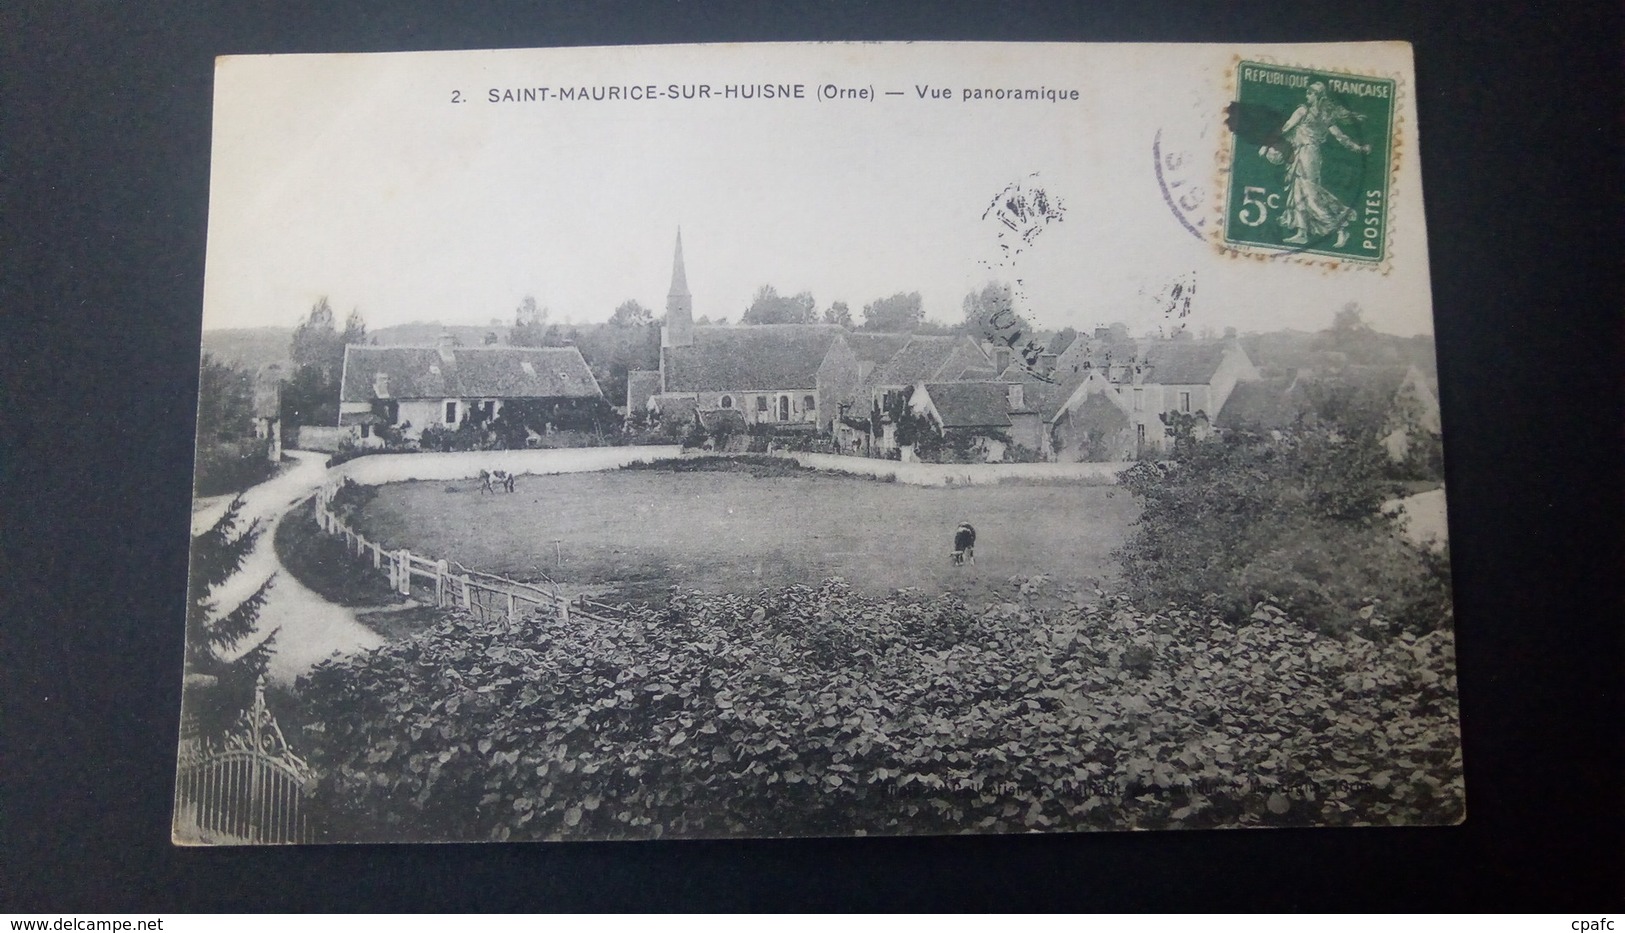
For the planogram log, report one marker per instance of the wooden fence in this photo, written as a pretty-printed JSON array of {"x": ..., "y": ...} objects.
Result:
[{"x": 454, "y": 585}]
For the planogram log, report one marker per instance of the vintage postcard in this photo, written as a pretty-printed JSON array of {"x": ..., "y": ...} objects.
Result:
[{"x": 816, "y": 439}]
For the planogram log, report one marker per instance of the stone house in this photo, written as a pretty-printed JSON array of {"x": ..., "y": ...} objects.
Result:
[{"x": 413, "y": 388}]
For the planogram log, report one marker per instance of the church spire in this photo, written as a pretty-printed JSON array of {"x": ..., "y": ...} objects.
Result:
[
  {"x": 679, "y": 327},
  {"x": 679, "y": 278}
]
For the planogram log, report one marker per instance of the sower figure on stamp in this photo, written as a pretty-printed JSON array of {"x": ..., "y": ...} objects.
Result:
[
  {"x": 1312, "y": 210},
  {"x": 964, "y": 543}
]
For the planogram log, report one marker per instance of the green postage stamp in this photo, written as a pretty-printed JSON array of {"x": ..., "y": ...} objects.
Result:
[{"x": 1309, "y": 166}]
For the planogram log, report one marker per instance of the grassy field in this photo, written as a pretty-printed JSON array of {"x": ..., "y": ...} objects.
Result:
[{"x": 630, "y": 535}]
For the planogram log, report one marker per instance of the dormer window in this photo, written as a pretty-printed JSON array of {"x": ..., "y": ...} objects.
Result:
[{"x": 1018, "y": 396}]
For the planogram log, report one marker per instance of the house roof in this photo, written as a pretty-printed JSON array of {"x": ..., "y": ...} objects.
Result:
[
  {"x": 970, "y": 404},
  {"x": 465, "y": 372},
  {"x": 934, "y": 359},
  {"x": 1096, "y": 351},
  {"x": 1046, "y": 396},
  {"x": 1264, "y": 403},
  {"x": 640, "y": 384},
  {"x": 750, "y": 358},
  {"x": 1183, "y": 362}
]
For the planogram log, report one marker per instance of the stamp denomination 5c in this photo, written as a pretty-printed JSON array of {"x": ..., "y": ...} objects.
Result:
[{"x": 1309, "y": 163}]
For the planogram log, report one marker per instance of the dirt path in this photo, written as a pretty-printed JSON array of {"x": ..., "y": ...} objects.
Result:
[{"x": 309, "y": 629}]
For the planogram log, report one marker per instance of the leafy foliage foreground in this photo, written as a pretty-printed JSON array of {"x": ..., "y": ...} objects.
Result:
[{"x": 815, "y": 710}]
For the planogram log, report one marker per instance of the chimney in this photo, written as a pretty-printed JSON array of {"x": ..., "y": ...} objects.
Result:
[
  {"x": 445, "y": 341},
  {"x": 1101, "y": 333},
  {"x": 1001, "y": 360},
  {"x": 1046, "y": 363},
  {"x": 380, "y": 385}
]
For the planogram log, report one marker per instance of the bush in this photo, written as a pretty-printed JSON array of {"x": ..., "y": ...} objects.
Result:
[
  {"x": 1294, "y": 523},
  {"x": 323, "y": 563},
  {"x": 231, "y": 466},
  {"x": 815, "y": 710}
]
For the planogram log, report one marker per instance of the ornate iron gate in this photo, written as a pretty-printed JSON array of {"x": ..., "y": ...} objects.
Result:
[{"x": 248, "y": 789}]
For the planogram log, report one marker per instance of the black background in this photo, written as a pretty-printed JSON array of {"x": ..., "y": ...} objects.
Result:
[{"x": 106, "y": 159}]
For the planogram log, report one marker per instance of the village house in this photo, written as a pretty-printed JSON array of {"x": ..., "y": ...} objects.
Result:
[
  {"x": 1109, "y": 398},
  {"x": 974, "y": 415},
  {"x": 1400, "y": 398},
  {"x": 921, "y": 359},
  {"x": 409, "y": 389}
]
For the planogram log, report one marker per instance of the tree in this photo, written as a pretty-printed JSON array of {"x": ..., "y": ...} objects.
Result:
[
  {"x": 901, "y": 313},
  {"x": 316, "y": 342},
  {"x": 219, "y": 678},
  {"x": 631, "y": 314},
  {"x": 769, "y": 307},
  {"x": 225, "y": 404},
  {"x": 1351, "y": 336},
  {"x": 838, "y": 313},
  {"x": 312, "y": 394},
  {"x": 529, "y": 324},
  {"x": 990, "y": 314}
]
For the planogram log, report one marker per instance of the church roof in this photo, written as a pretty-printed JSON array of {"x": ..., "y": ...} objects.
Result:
[
  {"x": 934, "y": 359},
  {"x": 970, "y": 404},
  {"x": 750, "y": 358},
  {"x": 465, "y": 372},
  {"x": 875, "y": 348}
]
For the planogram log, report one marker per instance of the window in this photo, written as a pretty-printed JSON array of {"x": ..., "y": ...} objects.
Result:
[
  {"x": 784, "y": 408},
  {"x": 1139, "y": 433},
  {"x": 451, "y": 412},
  {"x": 366, "y": 430},
  {"x": 1185, "y": 402},
  {"x": 761, "y": 403},
  {"x": 808, "y": 403},
  {"x": 727, "y": 401},
  {"x": 1139, "y": 400}
]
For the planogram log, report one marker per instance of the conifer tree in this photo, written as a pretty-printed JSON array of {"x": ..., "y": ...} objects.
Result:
[{"x": 219, "y": 679}]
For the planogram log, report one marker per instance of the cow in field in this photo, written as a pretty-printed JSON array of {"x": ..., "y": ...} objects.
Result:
[
  {"x": 964, "y": 544},
  {"x": 492, "y": 480}
]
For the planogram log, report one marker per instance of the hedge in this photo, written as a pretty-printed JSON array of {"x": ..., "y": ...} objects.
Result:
[{"x": 816, "y": 710}]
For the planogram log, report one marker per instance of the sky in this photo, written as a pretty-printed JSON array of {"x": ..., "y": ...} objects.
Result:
[{"x": 356, "y": 177}]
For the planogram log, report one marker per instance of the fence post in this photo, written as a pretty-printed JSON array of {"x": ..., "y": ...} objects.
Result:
[
  {"x": 377, "y": 556},
  {"x": 564, "y": 610},
  {"x": 441, "y": 571},
  {"x": 404, "y": 581},
  {"x": 467, "y": 600},
  {"x": 512, "y": 616}
]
